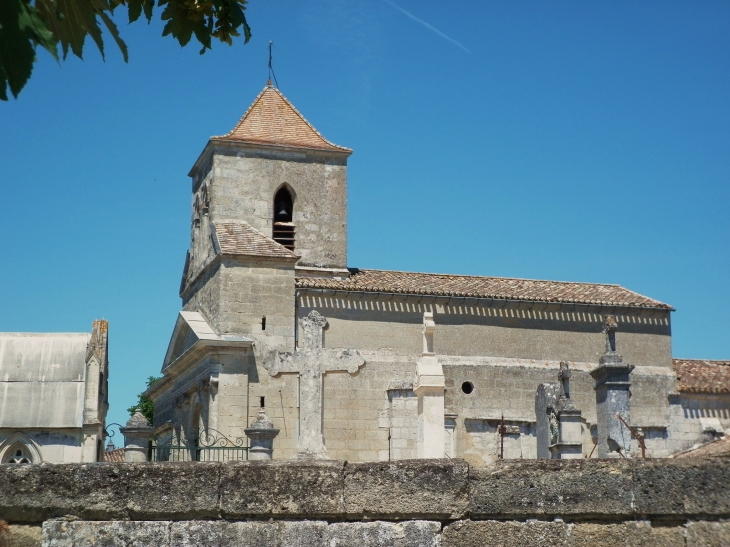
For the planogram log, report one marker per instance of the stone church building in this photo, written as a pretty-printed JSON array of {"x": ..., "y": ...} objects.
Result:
[{"x": 365, "y": 364}]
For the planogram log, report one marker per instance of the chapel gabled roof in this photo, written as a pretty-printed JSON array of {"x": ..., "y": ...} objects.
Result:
[{"x": 272, "y": 119}]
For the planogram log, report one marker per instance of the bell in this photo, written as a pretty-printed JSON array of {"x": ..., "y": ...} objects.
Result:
[{"x": 282, "y": 211}]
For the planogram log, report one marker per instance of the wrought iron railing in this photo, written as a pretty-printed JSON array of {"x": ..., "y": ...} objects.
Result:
[{"x": 207, "y": 446}]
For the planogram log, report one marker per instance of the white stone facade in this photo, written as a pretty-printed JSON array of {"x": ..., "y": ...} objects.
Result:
[{"x": 53, "y": 396}]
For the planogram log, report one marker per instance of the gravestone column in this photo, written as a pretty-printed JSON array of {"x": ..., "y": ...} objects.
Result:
[
  {"x": 546, "y": 400},
  {"x": 312, "y": 362},
  {"x": 137, "y": 434},
  {"x": 613, "y": 394},
  {"x": 429, "y": 387},
  {"x": 261, "y": 434},
  {"x": 569, "y": 442}
]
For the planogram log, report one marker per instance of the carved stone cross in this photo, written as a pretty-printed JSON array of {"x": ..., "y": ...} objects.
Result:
[
  {"x": 312, "y": 362},
  {"x": 609, "y": 329}
]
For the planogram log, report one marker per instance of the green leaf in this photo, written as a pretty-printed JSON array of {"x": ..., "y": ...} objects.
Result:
[
  {"x": 135, "y": 10},
  {"x": 17, "y": 45},
  {"x": 115, "y": 34},
  {"x": 3, "y": 85},
  {"x": 71, "y": 21},
  {"x": 148, "y": 5}
]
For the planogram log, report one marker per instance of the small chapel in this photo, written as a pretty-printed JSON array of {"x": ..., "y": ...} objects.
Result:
[{"x": 279, "y": 333}]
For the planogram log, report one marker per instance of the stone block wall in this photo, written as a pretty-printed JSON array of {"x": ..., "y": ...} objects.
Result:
[
  {"x": 413, "y": 503},
  {"x": 236, "y": 294},
  {"x": 245, "y": 179},
  {"x": 474, "y": 327}
]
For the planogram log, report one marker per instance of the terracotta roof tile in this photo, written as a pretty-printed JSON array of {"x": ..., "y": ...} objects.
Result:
[
  {"x": 238, "y": 238},
  {"x": 482, "y": 287},
  {"x": 116, "y": 455},
  {"x": 702, "y": 376},
  {"x": 272, "y": 119}
]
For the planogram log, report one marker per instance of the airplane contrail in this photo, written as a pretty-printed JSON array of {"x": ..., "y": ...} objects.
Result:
[{"x": 425, "y": 24}]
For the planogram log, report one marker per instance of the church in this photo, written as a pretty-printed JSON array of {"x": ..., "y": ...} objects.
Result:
[{"x": 364, "y": 364}]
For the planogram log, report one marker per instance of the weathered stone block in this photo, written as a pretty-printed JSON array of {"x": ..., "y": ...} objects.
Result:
[
  {"x": 547, "y": 488},
  {"x": 172, "y": 490},
  {"x": 290, "y": 488},
  {"x": 60, "y": 533},
  {"x": 425, "y": 489},
  {"x": 20, "y": 536},
  {"x": 224, "y": 534},
  {"x": 35, "y": 493},
  {"x": 708, "y": 534},
  {"x": 505, "y": 534},
  {"x": 629, "y": 534},
  {"x": 416, "y": 533},
  {"x": 308, "y": 533},
  {"x": 684, "y": 487}
]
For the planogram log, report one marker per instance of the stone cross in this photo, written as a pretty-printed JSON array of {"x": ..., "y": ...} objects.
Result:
[
  {"x": 566, "y": 403},
  {"x": 429, "y": 387},
  {"x": 613, "y": 394},
  {"x": 609, "y": 329},
  {"x": 312, "y": 362},
  {"x": 429, "y": 327}
]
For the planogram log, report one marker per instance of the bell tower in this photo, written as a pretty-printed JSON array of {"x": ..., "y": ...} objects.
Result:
[{"x": 267, "y": 197}]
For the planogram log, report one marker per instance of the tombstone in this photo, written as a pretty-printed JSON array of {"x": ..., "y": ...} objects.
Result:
[
  {"x": 429, "y": 386},
  {"x": 546, "y": 401},
  {"x": 137, "y": 434},
  {"x": 613, "y": 392},
  {"x": 569, "y": 442},
  {"x": 312, "y": 362},
  {"x": 261, "y": 434}
]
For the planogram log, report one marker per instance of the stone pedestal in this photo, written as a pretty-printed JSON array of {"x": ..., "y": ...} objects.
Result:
[
  {"x": 570, "y": 443},
  {"x": 613, "y": 393},
  {"x": 137, "y": 434},
  {"x": 261, "y": 436},
  {"x": 429, "y": 388},
  {"x": 546, "y": 399}
]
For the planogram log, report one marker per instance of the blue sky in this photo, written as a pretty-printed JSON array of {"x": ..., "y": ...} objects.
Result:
[{"x": 576, "y": 141}]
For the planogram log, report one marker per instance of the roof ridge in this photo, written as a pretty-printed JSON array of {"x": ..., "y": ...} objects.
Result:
[
  {"x": 301, "y": 116},
  {"x": 696, "y": 360},
  {"x": 500, "y": 277},
  {"x": 240, "y": 121}
]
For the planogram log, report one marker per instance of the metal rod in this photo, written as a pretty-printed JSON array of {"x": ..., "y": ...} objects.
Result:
[
  {"x": 634, "y": 434},
  {"x": 501, "y": 441}
]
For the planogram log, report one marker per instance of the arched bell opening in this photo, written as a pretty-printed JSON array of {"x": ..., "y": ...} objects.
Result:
[{"x": 283, "y": 232}]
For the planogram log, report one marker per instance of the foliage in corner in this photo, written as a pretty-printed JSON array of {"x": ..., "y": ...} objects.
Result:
[
  {"x": 144, "y": 403},
  {"x": 27, "y": 24}
]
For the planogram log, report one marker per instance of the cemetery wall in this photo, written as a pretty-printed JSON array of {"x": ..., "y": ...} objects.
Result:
[{"x": 410, "y": 503}]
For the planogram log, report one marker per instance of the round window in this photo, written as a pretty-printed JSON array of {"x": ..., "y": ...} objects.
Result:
[{"x": 467, "y": 387}]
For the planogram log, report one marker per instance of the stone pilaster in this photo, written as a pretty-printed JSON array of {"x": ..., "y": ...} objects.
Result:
[{"x": 429, "y": 387}]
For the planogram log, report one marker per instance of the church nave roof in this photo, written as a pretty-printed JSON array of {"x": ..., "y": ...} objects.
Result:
[{"x": 482, "y": 287}]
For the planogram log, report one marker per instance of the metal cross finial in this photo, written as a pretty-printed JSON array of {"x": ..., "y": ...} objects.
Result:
[{"x": 271, "y": 68}]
